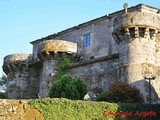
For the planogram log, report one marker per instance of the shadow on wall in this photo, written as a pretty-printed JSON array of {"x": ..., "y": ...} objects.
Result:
[{"x": 143, "y": 86}]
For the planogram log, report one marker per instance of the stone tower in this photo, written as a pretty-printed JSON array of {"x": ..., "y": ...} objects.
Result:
[
  {"x": 49, "y": 53},
  {"x": 30, "y": 76},
  {"x": 16, "y": 68},
  {"x": 137, "y": 36}
]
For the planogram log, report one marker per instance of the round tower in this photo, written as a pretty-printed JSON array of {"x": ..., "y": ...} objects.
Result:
[
  {"x": 136, "y": 34},
  {"x": 49, "y": 53},
  {"x": 16, "y": 68}
]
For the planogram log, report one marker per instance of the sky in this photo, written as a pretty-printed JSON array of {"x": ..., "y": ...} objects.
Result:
[{"x": 23, "y": 21}]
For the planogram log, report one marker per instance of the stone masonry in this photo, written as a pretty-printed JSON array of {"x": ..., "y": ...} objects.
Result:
[
  {"x": 18, "y": 110},
  {"x": 123, "y": 46}
]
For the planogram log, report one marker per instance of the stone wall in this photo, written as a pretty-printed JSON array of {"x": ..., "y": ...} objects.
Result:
[
  {"x": 35, "y": 75},
  {"x": 98, "y": 73},
  {"x": 49, "y": 71},
  {"x": 18, "y": 110}
]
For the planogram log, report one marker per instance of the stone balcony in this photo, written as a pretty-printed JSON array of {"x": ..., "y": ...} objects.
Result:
[
  {"x": 53, "y": 48},
  {"x": 58, "y": 46}
]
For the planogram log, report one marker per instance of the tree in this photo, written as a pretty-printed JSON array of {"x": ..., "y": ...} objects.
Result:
[
  {"x": 120, "y": 92},
  {"x": 3, "y": 81},
  {"x": 69, "y": 87}
]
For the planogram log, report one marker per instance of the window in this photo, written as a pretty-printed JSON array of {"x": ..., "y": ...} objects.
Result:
[
  {"x": 141, "y": 32},
  {"x": 132, "y": 32},
  {"x": 86, "y": 40},
  {"x": 151, "y": 32}
]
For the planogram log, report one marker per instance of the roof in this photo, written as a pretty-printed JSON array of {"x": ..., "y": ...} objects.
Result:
[{"x": 91, "y": 22}]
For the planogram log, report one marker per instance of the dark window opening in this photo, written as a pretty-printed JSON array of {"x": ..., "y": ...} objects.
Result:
[
  {"x": 132, "y": 32},
  {"x": 141, "y": 32},
  {"x": 151, "y": 33}
]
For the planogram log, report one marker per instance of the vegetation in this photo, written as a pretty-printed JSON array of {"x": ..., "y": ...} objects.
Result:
[
  {"x": 65, "y": 85},
  {"x": 64, "y": 61},
  {"x": 69, "y": 87},
  {"x": 103, "y": 97},
  {"x": 121, "y": 92},
  {"x": 3, "y": 81},
  {"x": 2, "y": 95},
  {"x": 64, "y": 109}
]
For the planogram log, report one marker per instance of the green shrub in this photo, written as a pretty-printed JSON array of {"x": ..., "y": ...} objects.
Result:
[
  {"x": 2, "y": 95},
  {"x": 103, "y": 96},
  {"x": 121, "y": 92},
  {"x": 69, "y": 87},
  {"x": 64, "y": 109},
  {"x": 63, "y": 62}
]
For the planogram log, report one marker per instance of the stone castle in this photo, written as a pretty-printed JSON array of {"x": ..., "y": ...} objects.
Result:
[{"x": 122, "y": 46}]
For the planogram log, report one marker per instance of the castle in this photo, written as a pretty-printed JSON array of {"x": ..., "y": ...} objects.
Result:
[{"x": 122, "y": 46}]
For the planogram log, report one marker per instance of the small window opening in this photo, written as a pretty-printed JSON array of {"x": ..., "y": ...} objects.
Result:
[
  {"x": 141, "y": 32},
  {"x": 132, "y": 32},
  {"x": 151, "y": 33}
]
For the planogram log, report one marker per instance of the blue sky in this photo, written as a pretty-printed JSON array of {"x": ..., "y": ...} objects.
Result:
[{"x": 23, "y": 21}]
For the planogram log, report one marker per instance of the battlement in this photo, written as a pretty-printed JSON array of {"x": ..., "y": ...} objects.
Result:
[
  {"x": 136, "y": 24},
  {"x": 141, "y": 19},
  {"x": 16, "y": 66},
  {"x": 133, "y": 32},
  {"x": 15, "y": 61}
]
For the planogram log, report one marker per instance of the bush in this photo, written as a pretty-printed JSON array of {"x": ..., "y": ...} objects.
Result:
[
  {"x": 2, "y": 95},
  {"x": 64, "y": 109},
  {"x": 121, "y": 92},
  {"x": 69, "y": 87},
  {"x": 103, "y": 96},
  {"x": 3, "y": 81}
]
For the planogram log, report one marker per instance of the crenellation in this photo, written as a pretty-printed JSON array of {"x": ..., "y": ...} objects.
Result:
[
  {"x": 16, "y": 62},
  {"x": 135, "y": 32}
]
